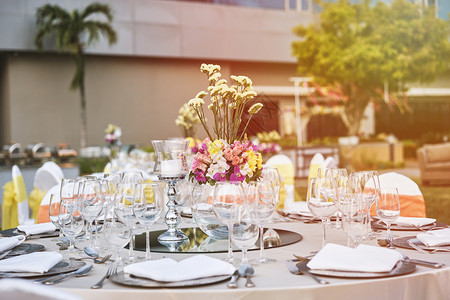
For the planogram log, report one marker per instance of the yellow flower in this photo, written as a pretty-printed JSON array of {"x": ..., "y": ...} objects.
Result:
[
  {"x": 255, "y": 108},
  {"x": 111, "y": 128},
  {"x": 214, "y": 77},
  {"x": 201, "y": 94},
  {"x": 252, "y": 160},
  {"x": 221, "y": 81},
  {"x": 196, "y": 102},
  {"x": 216, "y": 146},
  {"x": 259, "y": 161}
]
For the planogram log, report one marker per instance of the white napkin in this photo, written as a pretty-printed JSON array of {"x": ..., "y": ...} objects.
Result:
[
  {"x": 169, "y": 270},
  {"x": 409, "y": 221},
  {"x": 37, "y": 262},
  {"x": 37, "y": 228},
  {"x": 10, "y": 242},
  {"x": 363, "y": 258},
  {"x": 433, "y": 238}
]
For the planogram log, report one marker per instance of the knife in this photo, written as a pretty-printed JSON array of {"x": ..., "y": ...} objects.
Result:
[
  {"x": 234, "y": 278},
  {"x": 304, "y": 268}
]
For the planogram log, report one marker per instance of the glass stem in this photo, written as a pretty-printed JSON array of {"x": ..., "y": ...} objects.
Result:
[
  {"x": 148, "y": 255},
  {"x": 244, "y": 257},
  {"x": 261, "y": 244},
  {"x": 230, "y": 248},
  {"x": 324, "y": 236},
  {"x": 131, "y": 246},
  {"x": 89, "y": 233}
]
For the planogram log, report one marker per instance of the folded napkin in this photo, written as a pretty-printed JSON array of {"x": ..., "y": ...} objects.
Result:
[
  {"x": 169, "y": 270},
  {"x": 434, "y": 238},
  {"x": 37, "y": 262},
  {"x": 409, "y": 221},
  {"x": 363, "y": 258},
  {"x": 10, "y": 242},
  {"x": 37, "y": 228}
]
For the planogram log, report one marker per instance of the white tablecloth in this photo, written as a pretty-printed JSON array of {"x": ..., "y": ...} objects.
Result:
[{"x": 273, "y": 281}]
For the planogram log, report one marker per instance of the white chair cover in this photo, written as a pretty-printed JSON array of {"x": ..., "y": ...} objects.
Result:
[
  {"x": 54, "y": 168},
  {"x": 44, "y": 179},
  {"x": 316, "y": 163},
  {"x": 330, "y": 162},
  {"x": 23, "y": 210}
]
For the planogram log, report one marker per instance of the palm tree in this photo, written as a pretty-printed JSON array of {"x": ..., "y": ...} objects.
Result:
[{"x": 75, "y": 30}]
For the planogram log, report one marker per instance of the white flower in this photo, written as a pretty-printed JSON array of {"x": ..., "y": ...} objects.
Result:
[{"x": 245, "y": 170}]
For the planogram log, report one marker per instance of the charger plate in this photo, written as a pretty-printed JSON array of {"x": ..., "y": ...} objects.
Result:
[
  {"x": 403, "y": 242},
  {"x": 401, "y": 268},
  {"x": 24, "y": 248},
  {"x": 130, "y": 280},
  {"x": 378, "y": 224},
  {"x": 15, "y": 231},
  {"x": 63, "y": 266}
]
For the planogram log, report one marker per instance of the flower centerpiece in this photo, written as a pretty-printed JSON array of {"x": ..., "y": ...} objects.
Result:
[{"x": 226, "y": 154}]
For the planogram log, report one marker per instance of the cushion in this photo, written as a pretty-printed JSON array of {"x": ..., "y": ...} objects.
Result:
[
  {"x": 438, "y": 166},
  {"x": 437, "y": 153}
]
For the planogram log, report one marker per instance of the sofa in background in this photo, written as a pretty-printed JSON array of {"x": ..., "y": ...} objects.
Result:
[{"x": 434, "y": 163}]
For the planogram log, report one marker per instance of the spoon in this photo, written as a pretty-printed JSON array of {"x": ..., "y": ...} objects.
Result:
[
  {"x": 78, "y": 273},
  {"x": 93, "y": 254},
  {"x": 271, "y": 238},
  {"x": 247, "y": 271}
]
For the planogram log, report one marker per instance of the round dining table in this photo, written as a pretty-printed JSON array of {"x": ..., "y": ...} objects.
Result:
[{"x": 274, "y": 281}]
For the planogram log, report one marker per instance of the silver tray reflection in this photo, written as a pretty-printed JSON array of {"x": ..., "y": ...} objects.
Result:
[
  {"x": 199, "y": 242},
  {"x": 127, "y": 279},
  {"x": 401, "y": 268},
  {"x": 63, "y": 266},
  {"x": 378, "y": 224}
]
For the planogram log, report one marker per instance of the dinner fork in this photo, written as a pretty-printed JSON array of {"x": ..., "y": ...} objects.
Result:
[{"x": 112, "y": 269}]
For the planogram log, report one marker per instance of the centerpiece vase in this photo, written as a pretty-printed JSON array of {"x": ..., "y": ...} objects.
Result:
[{"x": 171, "y": 167}]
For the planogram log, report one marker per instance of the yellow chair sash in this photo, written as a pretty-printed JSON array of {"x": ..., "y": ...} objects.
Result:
[
  {"x": 34, "y": 201},
  {"x": 9, "y": 207}
]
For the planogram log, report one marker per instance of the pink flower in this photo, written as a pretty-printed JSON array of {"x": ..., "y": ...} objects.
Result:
[
  {"x": 228, "y": 154},
  {"x": 237, "y": 176},
  {"x": 237, "y": 150},
  {"x": 220, "y": 177},
  {"x": 236, "y": 160},
  {"x": 200, "y": 177}
]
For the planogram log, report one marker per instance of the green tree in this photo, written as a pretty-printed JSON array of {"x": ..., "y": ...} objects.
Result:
[
  {"x": 362, "y": 49},
  {"x": 74, "y": 31}
]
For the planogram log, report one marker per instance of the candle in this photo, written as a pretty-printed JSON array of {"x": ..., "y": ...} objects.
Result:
[{"x": 171, "y": 167}]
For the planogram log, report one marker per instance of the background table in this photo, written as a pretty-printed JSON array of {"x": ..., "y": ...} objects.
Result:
[{"x": 274, "y": 281}]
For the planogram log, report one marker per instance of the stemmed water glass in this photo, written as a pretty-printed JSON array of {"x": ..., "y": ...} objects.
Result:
[
  {"x": 70, "y": 221},
  {"x": 123, "y": 207},
  {"x": 227, "y": 202},
  {"x": 388, "y": 208},
  {"x": 53, "y": 212},
  {"x": 244, "y": 231},
  {"x": 320, "y": 204},
  {"x": 261, "y": 201},
  {"x": 117, "y": 233},
  {"x": 91, "y": 206},
  {"x": 147, "y": 208}
]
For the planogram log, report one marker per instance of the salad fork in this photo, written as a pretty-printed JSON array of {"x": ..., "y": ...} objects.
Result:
[{"x": 112, "y": 269}]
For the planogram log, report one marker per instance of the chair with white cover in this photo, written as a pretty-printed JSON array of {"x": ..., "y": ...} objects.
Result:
[
  {"x": 315, "y": 164},
  {"x": 45, "y": 178},
  {"x": 412, "y": 203},
  {"x": 15, "y": 209},
  {"x": 287, "y": 172},
  {"x": 329, "y": 163}
]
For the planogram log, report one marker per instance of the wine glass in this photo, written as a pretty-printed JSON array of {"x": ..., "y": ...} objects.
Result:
[
  {"x": 123, "y": 207},
  {"x": 388, "y": 208},
  {"x": 91, "y": 206},
  {"x": 261, "y": 201},
  {"x": 70, "y": 221},
  {"x": 320, "y": 204},
  {"x": 244, "y": 231},
  {"x": 53, "y": 212},
  {"x": 147, "y": 208},
  {"x": 227, "y": 200},
  {"x": 117, "y": 233},
  {"x": 273, "y": 175}
]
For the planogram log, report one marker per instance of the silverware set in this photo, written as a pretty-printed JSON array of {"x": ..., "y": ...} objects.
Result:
[
  {"x": 245, "y": 271},
  {"x": 300, "y": 268},
  {"x": 112, "y": 269}
]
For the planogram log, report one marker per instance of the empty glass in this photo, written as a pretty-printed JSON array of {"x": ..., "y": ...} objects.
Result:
[
  {"x": 148, "y": 207},
  {"x": 70, "y": 221},
  {"x": 244, "y": 232},
  {"x": 227, "y": 202},
  {"x": 91, "y": 205},
  {"x": 321, "y": 204},
  {"x": 388, "y": 208},
  {"x": 53, "y": 212}
]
